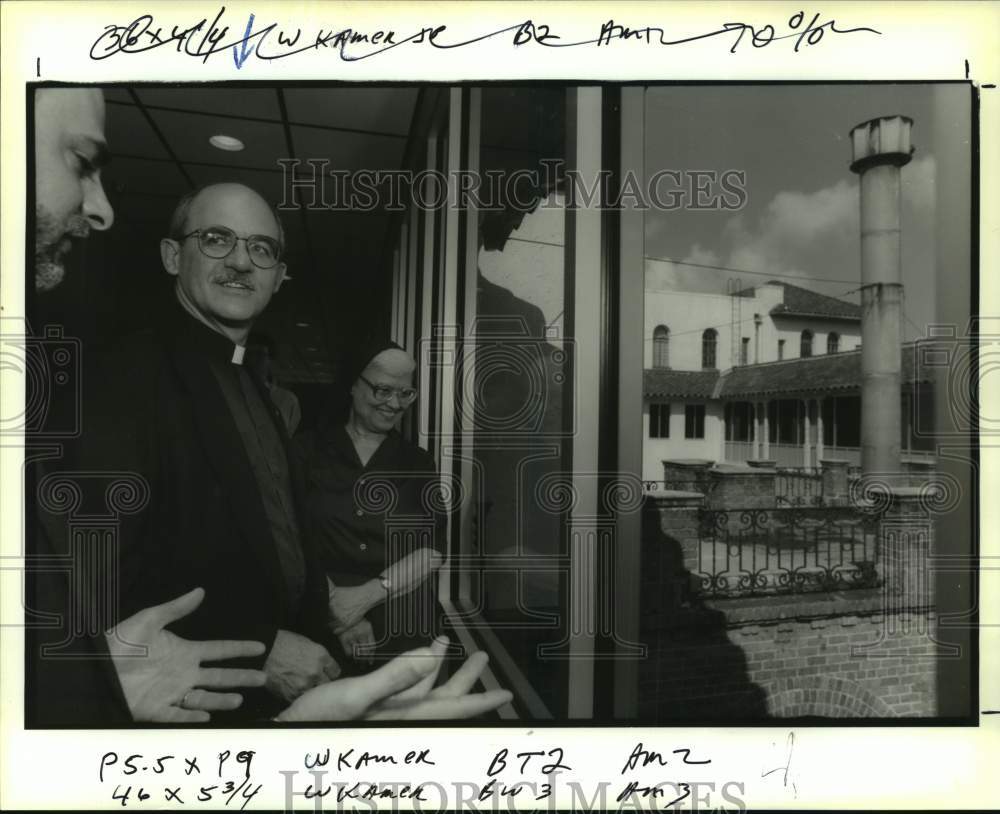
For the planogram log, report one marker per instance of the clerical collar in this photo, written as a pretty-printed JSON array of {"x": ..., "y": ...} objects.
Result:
[{"x": 199, "y": 338}]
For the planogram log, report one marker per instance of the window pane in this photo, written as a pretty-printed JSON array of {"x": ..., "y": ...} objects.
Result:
[
  {"x": 520, "y": 365},
  {"x": 708, "y": 348},
  {"x": 661, "y": 347},
  {"x": 765, "y": 300},
  {"x": 659, "y": 420}
]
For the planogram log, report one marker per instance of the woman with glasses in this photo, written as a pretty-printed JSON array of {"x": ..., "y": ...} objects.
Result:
[{"x": 373, "y": 508}]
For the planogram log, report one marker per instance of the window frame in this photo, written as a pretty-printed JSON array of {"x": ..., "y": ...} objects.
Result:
[
  {"x": 806, "y": 341},
  {"x": 661, "y": 347},
  {"x": 694, "y": 414},
  {"x": 603, "y": 132},
  {"x": 710, "y": 349},
  {"x": 662, "y": 409}
]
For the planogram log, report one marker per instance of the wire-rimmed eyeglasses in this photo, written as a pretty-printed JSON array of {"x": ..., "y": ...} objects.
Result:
[
  {"x": 218, "y": 242},
  {"x": 382, "y": 393}
]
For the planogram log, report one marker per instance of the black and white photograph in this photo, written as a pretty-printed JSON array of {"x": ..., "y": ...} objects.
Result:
[
  {"x": 408, "y": 408},
  {"x": 631, "y": 416}
]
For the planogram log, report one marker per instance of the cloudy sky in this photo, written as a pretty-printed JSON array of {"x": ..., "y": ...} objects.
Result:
[{"x": 801, "y": 215}]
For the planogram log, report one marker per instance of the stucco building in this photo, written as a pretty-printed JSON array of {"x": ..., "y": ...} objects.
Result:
[{"x": 772, "y": 372}]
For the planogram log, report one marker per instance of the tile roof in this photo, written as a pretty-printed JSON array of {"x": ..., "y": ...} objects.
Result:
[
  {"x": 833, "y": 371},
  {"x": 802, "y": 302},
  {"x": 662, "y": 382}
]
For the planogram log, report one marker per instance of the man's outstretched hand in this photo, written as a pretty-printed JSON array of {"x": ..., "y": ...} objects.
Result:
[
  {"x": 162, "y": 674},
  {"x": 402, "y": 690}
]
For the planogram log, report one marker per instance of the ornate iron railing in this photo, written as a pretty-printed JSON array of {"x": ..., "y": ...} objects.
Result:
[
  {"x": 798, "y": 487},
  {"x": 654, "y": 487},
  {"x": 748, "y": 552}
]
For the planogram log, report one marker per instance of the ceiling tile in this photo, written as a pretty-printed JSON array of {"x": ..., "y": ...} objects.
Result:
[
  {"x": 224, "y": 101},
  {"x": 383, "y": 110},
  {"x": 347, "y": 151},
  {"x": 268, "y": 184},
  {"x": 128, "y": 132},
  {"x": 188, "y": 135},
  {"x": 143, "y": 176}
]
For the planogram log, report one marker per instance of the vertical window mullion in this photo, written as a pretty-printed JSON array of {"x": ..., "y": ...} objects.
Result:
[
  {"x": 426, "y": 349},
  {"x": 447, "y": 321},
  {"x": 583, "y": 254},
  {"x": 468, "y": 270}
]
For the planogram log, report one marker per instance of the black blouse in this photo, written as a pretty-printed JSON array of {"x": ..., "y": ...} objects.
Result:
[{"x": 363, "y": 518}]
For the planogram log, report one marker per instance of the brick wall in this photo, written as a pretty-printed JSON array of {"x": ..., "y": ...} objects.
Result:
[
  {"x": 741, "y": 486},
  {"x": 858, "y": 653}
]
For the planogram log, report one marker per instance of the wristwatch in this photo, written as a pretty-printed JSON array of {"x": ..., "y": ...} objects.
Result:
[{"x": 385, "y": 582}]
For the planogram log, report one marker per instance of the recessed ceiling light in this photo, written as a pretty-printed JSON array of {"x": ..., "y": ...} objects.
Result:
[{"x": 228, "y": 143}]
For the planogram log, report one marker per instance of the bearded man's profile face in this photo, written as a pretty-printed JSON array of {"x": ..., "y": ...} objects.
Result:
[{"x": 69, "y": 198}]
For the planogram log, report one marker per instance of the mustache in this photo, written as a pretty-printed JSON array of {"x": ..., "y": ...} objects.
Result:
[
  {"x": 50, "y": 234},
  {"x": 236, "y": 277},
  {"x": 78, "y": 226}
]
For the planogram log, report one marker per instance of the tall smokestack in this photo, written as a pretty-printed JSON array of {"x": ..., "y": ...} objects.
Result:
[{"x": 880, "y": 148}]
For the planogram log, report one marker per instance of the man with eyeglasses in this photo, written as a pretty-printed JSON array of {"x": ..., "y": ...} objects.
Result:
[
  {"x": 177, "y": 405},
  {"x": 364, "y": 479},
  {"x": 157, "y": 675},
  {"x": 139, "y": 671}
]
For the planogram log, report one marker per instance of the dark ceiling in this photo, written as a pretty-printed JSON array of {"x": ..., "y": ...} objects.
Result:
[{"x": 158, "y": 137}]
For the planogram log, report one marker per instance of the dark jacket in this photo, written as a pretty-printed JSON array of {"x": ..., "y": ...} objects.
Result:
[
  {"x": 74, "y": 685},
  {"x": 153, "y": 406}
]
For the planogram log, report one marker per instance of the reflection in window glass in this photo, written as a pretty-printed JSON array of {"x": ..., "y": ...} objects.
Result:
[{"x": 521, "y": 352}]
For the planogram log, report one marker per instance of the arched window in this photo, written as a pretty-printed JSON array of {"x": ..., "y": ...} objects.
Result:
[
  {"x": 709, "y": 340},
  {"x": 833, "y": 342},
  {"x": 806, "y": 348},
  {"x": 661, "y": 346}
]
